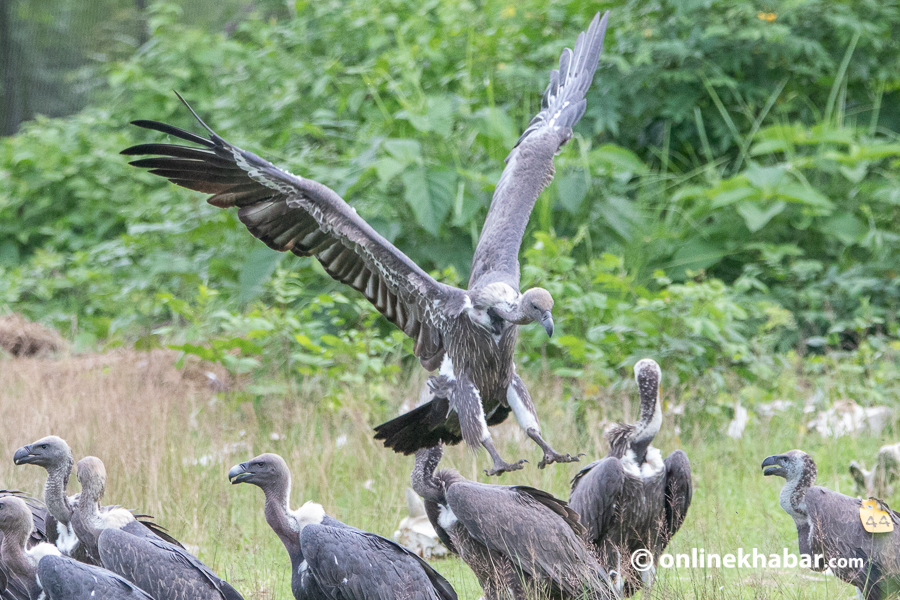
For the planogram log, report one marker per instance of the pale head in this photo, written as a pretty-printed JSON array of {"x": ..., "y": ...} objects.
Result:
[
  {"x": 648, "y": 376},
  {"x": 91, "y": 475},
  {"x": 51, "y": 452},
  {"x": 537, "y": 305},
  {"x": 265, "y": 471},
  {"x": 15, "y": 518},
  {"x": 795, "y": 465}
]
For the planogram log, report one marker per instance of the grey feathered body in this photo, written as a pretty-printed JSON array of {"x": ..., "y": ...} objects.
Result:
[{"x": 64, "y": 578}]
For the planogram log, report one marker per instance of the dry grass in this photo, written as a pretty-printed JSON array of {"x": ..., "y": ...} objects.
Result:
[
  {"x": 21, "y": 337},
  {"x": 169, "y": 436}
]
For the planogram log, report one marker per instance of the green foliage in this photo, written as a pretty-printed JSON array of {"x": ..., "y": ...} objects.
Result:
[{"x": 732, "y": 190}]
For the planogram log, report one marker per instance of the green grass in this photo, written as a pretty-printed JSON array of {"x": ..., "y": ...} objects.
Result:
[{"x": 150, "y": 422}]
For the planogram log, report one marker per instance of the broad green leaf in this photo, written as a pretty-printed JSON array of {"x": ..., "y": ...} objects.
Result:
[
  {"x": 617, "y": 159},
  {"x": 796, "y": 192},
  {"x": 696, "y": 254},
  {"x": 755, "y": 217},
  {"x": 845, "y": 226},
  {"x": 766, "y": 178},
  {"x": 256, "y": 270},
  {"x": 572, "y": 187},
  {"x": 404, "y": 151},
  {"x": 430, "y": 193},
  {"x": 735, "y": 195}
]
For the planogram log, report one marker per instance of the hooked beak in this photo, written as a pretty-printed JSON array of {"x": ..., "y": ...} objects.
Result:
[
  {"x": 547, "y": 322},
  {"x": 773, "y": 469},
  {"x": 23, "y": 455},
  {"x": 238, "y": 474}
]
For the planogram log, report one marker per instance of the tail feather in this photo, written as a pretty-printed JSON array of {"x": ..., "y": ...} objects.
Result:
[{"x": 422, "y": 427}]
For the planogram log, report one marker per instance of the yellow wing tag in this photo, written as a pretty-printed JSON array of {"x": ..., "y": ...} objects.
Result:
[{"x": 874, "y": 519}]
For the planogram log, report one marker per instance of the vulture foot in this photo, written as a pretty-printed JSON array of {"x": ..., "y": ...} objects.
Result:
[
  {"x": 552, "y": 456},
  {"x": 500, "y": 466}
]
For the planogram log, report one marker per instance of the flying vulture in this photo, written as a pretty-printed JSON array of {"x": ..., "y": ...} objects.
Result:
[
  {"x": 40, "y": 572},
  {"x": 518, "y": 540},
  {"x": 469, "y": 335},
  {"x": 331, "y": 560},
  {"x": 830, "y": 529},
  {"x": 632, "y": 499},
  {"x": 54, "y": 455}
]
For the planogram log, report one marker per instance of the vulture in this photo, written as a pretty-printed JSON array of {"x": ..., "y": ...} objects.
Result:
[
  {"x": 331, "y": 560},
  {"x": 879, "y": 481},
  {"x": 53, "y": 454},
  {"x": 469, "y": 335},
  {"x": 632, "y": 499},
  {"x": 127, "y": 548},
  {"x": 519, "y": 541},
  {"x": 38, "y": 516},
  {"x": 829, "y": 528},
  {"x": 41, "y": 572}
]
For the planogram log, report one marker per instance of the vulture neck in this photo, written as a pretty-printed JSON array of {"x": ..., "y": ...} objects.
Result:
[
  {"x": 422, "y": 478},
  {"x": 55, "y": 496},
  {"x": 647, "y": 427},
  {"x": 277, "y": 510},
  {"x": 793, "y": 495},
  {"x": 86, "y": 520},
  {"x": 12, "y": 549}
]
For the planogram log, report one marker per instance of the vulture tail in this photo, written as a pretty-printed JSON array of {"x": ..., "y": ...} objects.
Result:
[{"x": 422, "y": 427}]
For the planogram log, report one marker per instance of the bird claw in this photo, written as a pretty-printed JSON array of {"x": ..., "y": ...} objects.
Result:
[
  {"x": 503, "y": 467},
  {"x": 555, "y": 457}
]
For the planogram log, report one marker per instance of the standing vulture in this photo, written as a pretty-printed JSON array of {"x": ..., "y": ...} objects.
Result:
[
  {"x": 54, "y": 455},
  {"x": 519, "y": 541},
  {"x": 41, "y": 572},
  {"x": 829, "y": 528},
  {"x": 469, "y": 335},
  {"x": 331, "y": 560},
  {"x": 632, "y": 499},
  {"x": 125, "y": 547}
]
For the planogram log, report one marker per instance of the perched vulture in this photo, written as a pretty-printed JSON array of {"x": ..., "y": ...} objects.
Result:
[
  {"x": 519, "y": 541},
  {"x": 469, "y": 335},
  {"x": 40, "y": 572},
  {"x": 632, "y": 499},
  {"x": 331, "y": 560},
  {"x": 54, "y": 455},
  {"x": 829, "y": 529}
]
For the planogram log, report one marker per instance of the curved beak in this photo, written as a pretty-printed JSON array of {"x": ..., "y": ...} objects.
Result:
[
  {"x": 238, "y": 474},
  {"x": 547, "y": 322},
  {"x": 23, "y": 455},
  {"x": 773, "y": 469}
]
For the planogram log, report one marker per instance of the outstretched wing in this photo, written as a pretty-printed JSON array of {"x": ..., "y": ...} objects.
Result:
[
  {"x": 529, "y": 166},
  {"x": 288, "y": 212}
]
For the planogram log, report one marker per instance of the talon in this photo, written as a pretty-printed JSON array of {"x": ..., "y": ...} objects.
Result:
[
  {"x": 503, "y": 467},
  {"x": 555, "y": 457}
]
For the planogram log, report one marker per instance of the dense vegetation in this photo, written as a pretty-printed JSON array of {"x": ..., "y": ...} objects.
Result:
[{"x": 732, "y": 195}]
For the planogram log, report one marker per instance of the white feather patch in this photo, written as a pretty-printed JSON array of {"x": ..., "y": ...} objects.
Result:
[
  {"x": 629, "y": 464},
  {"x": 38, "y": 552},
  {"x": 525, "y": 417},
  {"x": 447, "y": 368},
  {"x": 311, "y": 513},
  {"x": 117, "y": 518},
  {"x": 66, "y": 540},
  {"x": 653, "y": 463},
  {"x": 446, "y": 518}
]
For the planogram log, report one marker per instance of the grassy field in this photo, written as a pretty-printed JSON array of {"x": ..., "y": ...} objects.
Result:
[{"x": 168, "y": 437}]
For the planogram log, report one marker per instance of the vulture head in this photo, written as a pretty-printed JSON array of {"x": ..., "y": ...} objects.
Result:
[
  {"x": 91, "y": 475},
  {"x": 15, "y": 519},
  {"x": 500, "y": 299},
  {"x": 264, "y": 471},
  {"x": 793, "y": 466},
  {"x": 50, "y": 452},
  {"x": 422, "y": 477},
  {"x": 648, "y": 375}
]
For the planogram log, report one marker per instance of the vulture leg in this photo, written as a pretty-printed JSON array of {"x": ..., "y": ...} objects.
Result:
[{"x": 520, "y": 402}]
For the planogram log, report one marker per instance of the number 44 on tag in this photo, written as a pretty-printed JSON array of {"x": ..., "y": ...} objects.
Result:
[{"x": 874, "y": 519}]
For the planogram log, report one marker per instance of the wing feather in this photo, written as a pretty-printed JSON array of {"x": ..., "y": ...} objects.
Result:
[
  {"x": 529, "y": 166},
  {"x": 290, "y": 213}
]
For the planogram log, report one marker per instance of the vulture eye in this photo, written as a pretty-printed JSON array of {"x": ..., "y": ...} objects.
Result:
[{"x": 43, "y": 446}]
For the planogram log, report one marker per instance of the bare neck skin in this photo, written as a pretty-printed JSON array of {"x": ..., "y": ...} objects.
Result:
[
  {"x": 55, "y": 496},
  {"x": 12, "y": 549},
  {"x": 278, "y": 494},
  {"x": 793, "y": 496},
  {"x": 86, "y": 520}
]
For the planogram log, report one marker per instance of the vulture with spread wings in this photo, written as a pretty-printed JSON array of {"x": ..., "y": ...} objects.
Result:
[{"x": 469, "y": 335}]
